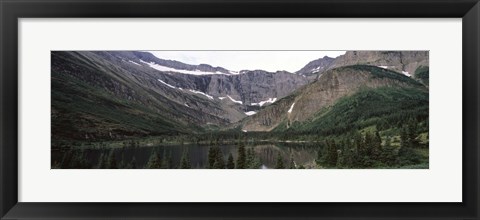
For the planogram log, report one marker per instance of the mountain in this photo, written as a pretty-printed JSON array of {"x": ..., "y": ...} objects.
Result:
[
  {"x": 103, "y": 95},
  {"x": 316, "y": 66},
  {"x": 405, "y": 62},
  {"x": 326, "y": 102},
  {"x": 99, "y": 95}
]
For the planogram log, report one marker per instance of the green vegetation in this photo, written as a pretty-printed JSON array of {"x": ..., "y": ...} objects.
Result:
[
  {"x": 422, "y": 73},
  {"x": 279, "y": 164},
  {"x": 367, "y": 151},
  {"x": 96, "y": 109},
  {"x": 385, "y": 107}
]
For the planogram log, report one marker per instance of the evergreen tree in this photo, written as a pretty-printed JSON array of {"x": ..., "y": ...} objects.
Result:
[
  {"x": 319, "y": 159},
  {"x": 292, "y": 163},
  {"x": 102, "y": 162},
  {"x": 368, "y": 143},
  {"x": 122, "y": 164},
  {"x": 359, "y": 150},
  {"x": 230, "y": 162},
  {"x": 133, "y": 163},
  {"x": 376, "y": 146},
  {"x": 412, "y": 133},
  {"x": 252, "y": 162},
  {"x": 112, "y": 162},
  {"x": 219, "y": 160},
  {"x": 387, "y": 155},
  {"x": 185, "y": 161},
  {"x": 212, "y": 156},
  {"x": 67, "y": 158},
  {"x": 154, "y": 162},
  {"x": 241, "y": 157},
  {"x": 165, "y": 160},
  {"x": 170, "y": 160},
  {"x": 279, "y": 164},
  {"x": 404, "y": 138},
  {"x": 347, "y": 154},
  {"x": 332, "y": 155}
]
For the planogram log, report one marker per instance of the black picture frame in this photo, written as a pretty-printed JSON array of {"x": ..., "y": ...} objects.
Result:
[{"x": 12, "y": 10}]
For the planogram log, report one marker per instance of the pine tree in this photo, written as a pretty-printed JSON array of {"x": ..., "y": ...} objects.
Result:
[
  {"x": 212, "y": 156},
  {"x": 185, "y": 161},
  {"x": 332, "y": 155},
  {"x": 376, "y": 146},
  {"x": 359, "y": 150},
  {"x": 347, "y": 154},
  {"x": 279, "y": 164},
  {"x": 230, "y": 162},
  {"x": 292, "y": 163},
  {"x": 102, "y": 162},
  {"x": 170, "y": 160},
  {"x": 154, "y": 162},
  {"x": 122, "y": 164},
  {"x": 165, "y": 160},
  {"x": 387, "y": 155},
  {"x": 251, "y": 161},
  {"x": 368, "y": 142},
  {"x": 133, "y": 163},
  {"x": 219, "y": 160},
  {"x": 404, "y": 138},
  {"x": 412, "y": 133},
  {"x": 241, "y": 158},
  {"x": 67, "y": 158},
  {"x": 112, "y": 162}
]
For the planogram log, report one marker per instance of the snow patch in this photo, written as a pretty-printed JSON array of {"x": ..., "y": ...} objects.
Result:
[
  {"x": 164, "y": 83},
  {"x": 201, "y": 93},
  {"x": 291, "y": 108},
  {"x": 406, "y": 73},
  {"x": 316, "y": 70},
  {"x": 250, "y": 113},
  {"x": 269, "y": 100},
  {"x": 233, "y": 100},
  {"x": 221, "y": 98},
  {"x": 134, "y": 63},
  {"x": 187, "y": 105},
  {"x": 244, "y": 130},
  {"x": 191, "y": 72},
  {"x": 384, "y": 67}
]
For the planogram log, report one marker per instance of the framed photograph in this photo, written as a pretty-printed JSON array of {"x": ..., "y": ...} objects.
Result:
[{"x": 239, "y": 109}]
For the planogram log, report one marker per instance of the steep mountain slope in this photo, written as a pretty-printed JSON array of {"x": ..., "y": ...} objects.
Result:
[
  {"x": 246, "y": 86},
  {"x": 118, "y": 94},
  {"x": 400, "y": 61},
  {"x": 316, "y": 66},
  {"x": 405, "y": 62},
  {"x": 314, "y": 99},
  {"x": 95, "y": 99}
]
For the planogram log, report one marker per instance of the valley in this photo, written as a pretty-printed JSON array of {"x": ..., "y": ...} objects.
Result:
[{"x": 363, "y": 109}]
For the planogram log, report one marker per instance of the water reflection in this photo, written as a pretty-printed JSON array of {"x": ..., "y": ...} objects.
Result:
[{"x": 302, "y": 155}]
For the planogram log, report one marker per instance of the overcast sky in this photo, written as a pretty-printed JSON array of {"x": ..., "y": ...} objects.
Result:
[{"x": 248, "y": 60}]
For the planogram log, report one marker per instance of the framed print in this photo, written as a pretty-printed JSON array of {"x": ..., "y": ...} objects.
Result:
[{"x": 227, "y": 109}]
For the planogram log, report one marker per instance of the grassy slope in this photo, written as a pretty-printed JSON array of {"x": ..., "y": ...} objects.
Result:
[
  {"x": 87, "y": 110},
  {"x": 383, "y": 107},
  {"x": 369, "y": 107}
]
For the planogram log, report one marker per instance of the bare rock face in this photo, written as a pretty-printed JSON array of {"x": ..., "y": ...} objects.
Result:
[
  {"x": 405, "y": 62},
  {"x": 255, "y": 86},
  {"x": 399, "y": 61},
  {"x": 316, "y": 66},
  {"x": 324, "y": 92}
]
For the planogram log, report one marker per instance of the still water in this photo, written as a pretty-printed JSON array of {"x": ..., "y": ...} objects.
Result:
[{"x": 302, "y": 153}]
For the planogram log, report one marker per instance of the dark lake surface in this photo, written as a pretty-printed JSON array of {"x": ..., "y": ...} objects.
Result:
[{"x": 302, "y": 153}]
